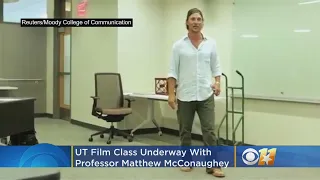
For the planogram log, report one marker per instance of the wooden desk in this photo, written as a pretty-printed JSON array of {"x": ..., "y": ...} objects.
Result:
[{"x": 16, "y": 115}]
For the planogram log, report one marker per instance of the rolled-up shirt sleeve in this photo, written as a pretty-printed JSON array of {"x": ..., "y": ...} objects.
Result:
[
  {"x": 215, "y": 63},
  {"x": 174, "y": 63}
]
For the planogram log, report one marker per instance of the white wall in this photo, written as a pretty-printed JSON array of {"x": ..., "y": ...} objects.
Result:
[
  {"x": 266, "y": 122},
  {"x": 92, "y": 50},
  {"x": 138, "y": 63},
  {"x": 142, "y": 53},
  {"x": 217, "y": 24},
  {"x": 281, "y": 123},
  {"x": 135, "y": 57}
]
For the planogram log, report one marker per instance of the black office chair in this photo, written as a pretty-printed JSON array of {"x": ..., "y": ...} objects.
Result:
[{"x": 108, "y": 104}]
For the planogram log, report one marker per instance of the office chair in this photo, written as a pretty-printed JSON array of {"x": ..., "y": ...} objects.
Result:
[{"x": 108, "y": 104}]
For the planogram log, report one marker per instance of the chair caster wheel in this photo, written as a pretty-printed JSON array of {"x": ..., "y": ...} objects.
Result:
[
  {"x": 108, "y": 142},
  {"x": 101, "y": 136},
  {"x": 130, "y": 139},
  {"x": 90, "y": 139},
  {"x": 160, "y": 133},
  {"x": 4, "y": 141}
]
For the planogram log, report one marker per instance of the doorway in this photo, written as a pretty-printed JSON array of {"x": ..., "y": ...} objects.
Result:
[{"x": 65, "y": 64}]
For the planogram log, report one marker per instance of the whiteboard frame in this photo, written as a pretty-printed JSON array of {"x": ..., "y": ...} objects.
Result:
[{"x": 282, "y": 99}]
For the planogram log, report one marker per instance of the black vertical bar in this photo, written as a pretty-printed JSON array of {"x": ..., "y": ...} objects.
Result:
[
  {"x": 227, "y": 108},
  {"x": 232, "y": 107},
  {"x": 70, "y": 100},
  {"x": 1, "y": 11},
  {"x": 242, "y": 109}
]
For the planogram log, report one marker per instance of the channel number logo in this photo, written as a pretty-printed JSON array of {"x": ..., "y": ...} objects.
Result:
[{"x": 264, "y": 157}]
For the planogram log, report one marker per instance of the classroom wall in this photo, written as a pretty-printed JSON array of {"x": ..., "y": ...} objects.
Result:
[
  {"x": 140, "y": 65},
  {"x": 137, "y": 62},
  {"x": 30, "y": 77},
  {"x": 271, "y": 122},
  {"x": 266, "y": 122},
  {"x": 139, "y": 59},
  {"x": 92, "y": 50},
  {"x": 218, "y": 25},
  {"x": 281, "y": 123}
]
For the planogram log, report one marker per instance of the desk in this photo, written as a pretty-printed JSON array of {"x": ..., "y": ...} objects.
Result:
[
  {"x": 151, "y": 117},
  {"x": 29, "y": 174},
  {"x": 4, "y": 90},
  {"x": 16, "y": 115}
]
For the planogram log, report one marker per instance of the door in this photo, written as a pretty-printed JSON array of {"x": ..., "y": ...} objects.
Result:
[{"x": 65, "y": 65}]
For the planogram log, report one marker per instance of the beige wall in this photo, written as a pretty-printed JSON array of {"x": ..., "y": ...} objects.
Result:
[
  {"x": 137, "y": 62},
  {"x": 218, "y": 25},
  {"x": 93, "y": 50},
  {"x": 142, "y": 53},
  {"x": 281, "y": 123}
]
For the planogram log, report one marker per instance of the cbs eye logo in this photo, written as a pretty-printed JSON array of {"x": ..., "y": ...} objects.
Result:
[
  {"x": 265, "y": 156},
  {"x": 44, "y": 155}
]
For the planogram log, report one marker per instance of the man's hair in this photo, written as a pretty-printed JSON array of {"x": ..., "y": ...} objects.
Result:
[{"x": 192, "y": 11}]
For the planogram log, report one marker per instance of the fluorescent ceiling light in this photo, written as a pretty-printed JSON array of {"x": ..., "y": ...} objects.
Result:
[
  {"x": 302, "y": 30},
  {"x": 309, "y": 2},
  {"x": 10, "y": 1},
  {"x": 249, "y": 36}
]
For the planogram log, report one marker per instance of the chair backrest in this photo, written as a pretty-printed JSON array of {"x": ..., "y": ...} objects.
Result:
[{"x": 108, "y": 87}]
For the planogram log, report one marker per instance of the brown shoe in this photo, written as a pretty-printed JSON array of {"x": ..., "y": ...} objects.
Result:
[
  {"x": 217, "y": 172},
  {"x": 186, "y": 169}
]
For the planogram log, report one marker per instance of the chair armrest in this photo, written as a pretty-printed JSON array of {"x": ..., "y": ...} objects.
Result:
[
  {"x": 129, "y": 100},
  {"x": 94, "y": 97},
  {"x": 94, "y": 105}
]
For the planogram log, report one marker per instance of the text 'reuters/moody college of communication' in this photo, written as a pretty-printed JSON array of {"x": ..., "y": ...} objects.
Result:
[{"x": 76, "y": 22}]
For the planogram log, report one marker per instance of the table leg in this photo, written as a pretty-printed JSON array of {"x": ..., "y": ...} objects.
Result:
[
  {"x": 150, "y": 117},
  {"x": 153, "y": 117},
  {"x": 4, "y": 141}
]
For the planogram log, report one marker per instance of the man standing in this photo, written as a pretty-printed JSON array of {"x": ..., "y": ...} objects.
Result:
[{"x": 195, "y": 71}]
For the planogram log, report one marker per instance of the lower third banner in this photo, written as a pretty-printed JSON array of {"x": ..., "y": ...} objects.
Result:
[
  {"x": 153, "y": 156},
  {"x": 278, "y": 156},
  {"x": 48, "y": 155},
  {"x": 41, "y": 155}
]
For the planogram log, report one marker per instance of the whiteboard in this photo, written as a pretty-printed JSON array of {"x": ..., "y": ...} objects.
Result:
[{"x": 277, "y": 51}]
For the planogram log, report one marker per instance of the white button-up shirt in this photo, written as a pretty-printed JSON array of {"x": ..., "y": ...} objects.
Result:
[{"x": 194, "y": 68}]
